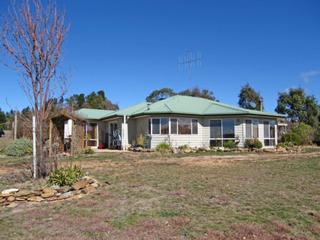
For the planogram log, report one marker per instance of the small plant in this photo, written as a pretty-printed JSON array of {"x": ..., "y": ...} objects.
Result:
[
  {"x": 230, "y": 144},
  {"x": 88, "y": 151},
  {"x": 185, "y": 148},
  {"x": 285, "y": 144},
  {"x": 253, "y": 144},
  {"x": 65, "y": 176},
  {"x": 163, "y": 148},
  {"x": 19, "y": 148}
]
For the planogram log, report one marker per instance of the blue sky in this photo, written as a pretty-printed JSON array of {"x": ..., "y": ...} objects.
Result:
[{"x": 129, "y": 48}]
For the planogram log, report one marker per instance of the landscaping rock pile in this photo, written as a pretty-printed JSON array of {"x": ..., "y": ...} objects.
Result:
[{"x": 11, "y": 197}]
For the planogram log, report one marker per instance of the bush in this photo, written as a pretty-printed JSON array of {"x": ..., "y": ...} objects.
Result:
[
  {"x": 252, "y": 144},
  {"x": 317, "y": 137},
  {"x": 163, "y": 148},
  {"x": 300, "y": 134},
  {"x": 230, "y": 144},
  {"x": 65, "y": 176},
  {"x": 88, "y": 151},
  {"x": 285, "y": 144},
  {"x": 19, "y": 147},
  {"x": 140, "y": 140}
]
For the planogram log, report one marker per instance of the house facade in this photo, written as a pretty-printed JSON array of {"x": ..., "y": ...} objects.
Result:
[{"x": 178, "y": 120}]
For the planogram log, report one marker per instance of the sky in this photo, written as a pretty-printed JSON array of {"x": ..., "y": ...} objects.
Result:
[{"x": 129, "y": 48}]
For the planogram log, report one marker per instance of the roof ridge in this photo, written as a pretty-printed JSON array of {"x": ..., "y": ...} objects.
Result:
[{"x": 229, "y": 106}]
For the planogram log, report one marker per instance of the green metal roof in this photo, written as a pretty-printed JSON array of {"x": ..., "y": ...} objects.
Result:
[
  {"x": 176, "y": 105},
  {"x": 94, "y": 114}
]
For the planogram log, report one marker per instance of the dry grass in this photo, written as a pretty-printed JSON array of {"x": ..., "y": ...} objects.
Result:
[{"x": 196, "y": 197}]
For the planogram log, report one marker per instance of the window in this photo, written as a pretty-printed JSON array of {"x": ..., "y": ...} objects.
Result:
[
  {"x": 184, "y": 126},
  {"x": 91, "y": 135},
  {"x": 194, "y": 126},
  {"x": 228, "y": 128},
  {"x": 248, "y": 129},
  {"x": 269, "y": 129},
  {"x": 155, "y": 126},
  {"x": 174, "y": 125},
  {"x": 220, "y": 131},
  {"x": 177, "y": 126},
  {"x": 149, "y": 126},
  {"x": 164, "y": 126},
  {"x": 255, "y": 129},
  {"x": 215, "y": 129},
  {"x": 252, "y": 129}
]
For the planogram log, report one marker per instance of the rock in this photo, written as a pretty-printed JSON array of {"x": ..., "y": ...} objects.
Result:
[
  {"x": 63, "y": 189},
  {"x": 12, "y": 205},
  {"x": 21, "y": 198},
  {"x": 22, "y": 193},
  {"x": 80, "y": 184},
  {"x": 2, "y": 200},
  {"x": 281, "y": 150},
  {"x": 66, "y": 195},
  {"x": 8, "y": 192},
  {"x": 11, "y": 199},
  {"x": 89, "y": 179},
  {"x": 35, "y": 199},
  {"x": 55, "y": 187},
  {"x": 48, "y": 192},
  {"x": 95, "y": 185},
  {"x": 88, "y": 189}
]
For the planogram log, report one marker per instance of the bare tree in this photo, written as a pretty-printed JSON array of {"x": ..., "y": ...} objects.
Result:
[{"x": 32, "y": 37}]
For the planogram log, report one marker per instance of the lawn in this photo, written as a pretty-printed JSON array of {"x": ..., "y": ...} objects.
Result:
[{"x": 146, "y": 196}]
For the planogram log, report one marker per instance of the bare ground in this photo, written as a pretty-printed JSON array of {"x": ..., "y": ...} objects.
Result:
[{"x": 246, "y": 196}]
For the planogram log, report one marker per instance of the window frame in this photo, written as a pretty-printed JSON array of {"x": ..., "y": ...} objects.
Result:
[
  {"x": 222, "y": 139},
  {"x": 191, "y": 120},
  {"x": 251, "y": 128},
  {"x": 86, "y": 140},
  {"x": 269, "y": 131}
]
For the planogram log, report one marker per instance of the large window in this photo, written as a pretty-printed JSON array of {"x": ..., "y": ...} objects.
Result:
[
  {"x": 164, "y": 125},
  {"x": 174, "y": 125},
  {"x": 184, "y": 126},
  {"x": 155, "y": 126},
  {"x": 252, "y": 129},
  {"x": 221, "y": 131},
  {"x": 194, "y": 126},
  {"x": 269, "y": 130},
  {"x": 177, "y": 126}
]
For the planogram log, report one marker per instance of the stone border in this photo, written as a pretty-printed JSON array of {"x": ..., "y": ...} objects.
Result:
[{"x": 12, "y": 197}]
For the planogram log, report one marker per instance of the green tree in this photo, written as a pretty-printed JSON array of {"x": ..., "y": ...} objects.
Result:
[
  {"x": 298, "y": 106},
  {"x": 3, "y": 117},
  {"x": 197, "y": 92},
  {"x": 160, "y": 94},
  {"x": 96, "y": 100},
  {"x": 250, "y": 99}
]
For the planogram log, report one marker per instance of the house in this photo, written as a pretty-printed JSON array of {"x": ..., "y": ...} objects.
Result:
[{"x": 178, "y": 120}]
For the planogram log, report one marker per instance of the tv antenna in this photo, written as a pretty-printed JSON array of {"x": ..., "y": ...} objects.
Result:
[{"x": 189, "y": 62}]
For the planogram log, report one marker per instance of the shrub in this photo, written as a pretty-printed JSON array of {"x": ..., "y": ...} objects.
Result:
[
  {"x": 65, "y": 176},
  {"x": 285, "y": 144},
  {"x": 19, "y": 147},
  {"x": 300, "y": 134},
  {"x": 317, "y": 137},
  {"x": 140, "y": 140},
  {"x": 88, "y": 151},
  {"x": 163, "y": 148},
  {"x": 230, "y": 144},
  {"x": 252, "y": 144}
]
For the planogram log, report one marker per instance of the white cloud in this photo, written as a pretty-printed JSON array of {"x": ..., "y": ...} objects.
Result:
[{"x": 307, "y": 76}]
